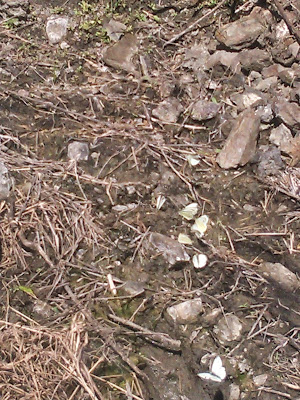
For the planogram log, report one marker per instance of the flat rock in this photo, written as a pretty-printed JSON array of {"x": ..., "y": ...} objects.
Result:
[
  {"x": 56, "y": 28},
  {"x": 170, "y": 248},
  {"x": 114, "y": 29},
  {"x": 250, "y": 97},
  {"x": 228, "y": 329},
  {"x": 168, "y": 110},
  {"x": 120, "y": 54},
  {"x": 225, "y": 58},
  {"x": 186, "y": 312},
  {"x": 240, "y": 145},
  {"x": 254, "y": 59},
  {"x": 245, "y": 31},
  {"x": 281, "y": 275},
  {"x": 288, "y": 112},
  {"x": 281, "y": 136},
  {"x": 204, "y": 110}
]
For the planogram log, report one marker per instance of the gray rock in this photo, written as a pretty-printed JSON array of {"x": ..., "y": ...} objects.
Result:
[
  {"x": 168, "y": 110},
  {"x": 281, "y": 275},
  {"x": 240, "y": 146},
  {"x": 249, "y": 98},
  {"x": 226, "y": 59},
  {"x": 228, "y": 329},
  {"x": 290, "y": 76},
  {"x": 120, "y": 54},
  {"x": 272, "y": 70},
  {"x": 281, "y": 136},
  {"x": 78, "y": 151},
  {"x": 56, "y": 28},
  {"x": 254, "y": 59},
  {"x": 266, "y": 113},
  {"x": 196, "y": 57},
  {"x": 288, "y": 112},
  {"x": 243, "y": 32},
  {"x": 204, "y": 110},
  {"x": 5, "y": 182},
  {"x": 186, "y": 312},
  {"x": 269, "y": 161},
  {"x": 170, "y": 249}
]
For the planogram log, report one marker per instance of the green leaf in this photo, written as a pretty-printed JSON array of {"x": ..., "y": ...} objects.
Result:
[{"x": 27, "y": 290}]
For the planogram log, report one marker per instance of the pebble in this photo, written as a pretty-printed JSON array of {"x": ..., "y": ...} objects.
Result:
[
  {"x": 56, "y": 28},
  {"x": 78, "y": 151},
  {"x": 186, "y": 312}
]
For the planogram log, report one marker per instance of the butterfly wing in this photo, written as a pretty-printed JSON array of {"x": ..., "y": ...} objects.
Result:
[
  {"x": 208, "y": 376},
  {"x": 217, "y": 368}
]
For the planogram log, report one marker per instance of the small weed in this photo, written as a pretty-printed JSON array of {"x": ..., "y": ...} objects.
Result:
[
  {"x": 12, "y": 23},
  {"x": 57, "y": 10}
]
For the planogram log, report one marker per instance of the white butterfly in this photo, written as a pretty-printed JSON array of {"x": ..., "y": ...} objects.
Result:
[{"x": 217, "y": 372}]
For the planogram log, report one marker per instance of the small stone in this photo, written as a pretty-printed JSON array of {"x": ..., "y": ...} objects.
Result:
[
  {"x": 243, "y": 32},
  {"x": 281, "y": 136},
  {"x": 234, "y": 392},
  {"x": 240, "y": 145},
  {"x": 5, "y": 182},
  {"x": 204, "y": 110},
  {"x": 56, "y": 28},
  {"x": 78, "y": 151},
  {"x": 250, "y": 97},
  {"x": 228, "y": 329},
  {"x": 170, "y": 249},
  {"x": 186, "y": 312},
  {"x": 120, "y": 54},
  {"x": 260, "y": 380},
  {"x": 114, "y": 29},
  {"x": 269, "y": 161},
  {"x": 168, "y": 110},
  {"x": 288, "y": 112},
  {"x": 281, "y": 275},
  {"x": 254, "y": 59},
  {"x": 133, "y": 288}
]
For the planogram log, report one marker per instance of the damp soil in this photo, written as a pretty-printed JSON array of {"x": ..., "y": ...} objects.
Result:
[{"x": 64, "y": 233}]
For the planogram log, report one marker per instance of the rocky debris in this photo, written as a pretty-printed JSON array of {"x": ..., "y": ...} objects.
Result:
[
  {"x": 196, "y": 57},
  {"x": 14, "y": 8},
  {"x": 245, "y": 31},
  {"x": 272, "y": 70},
  {"x": 168, "y": 110},
  {"x": 228, "y": 329},
  {"x": 278, "y": 273},
  {"x": 266, "y": 113},
  {"x": 114, "y": 29},
  {"x": 226, "y": 59},
  {"x": 289, "y": 113},
  {"x": 186, "y": 312},
  {"x": 170, "y": 249},
  {"x": 120, "y": 54},
  {"x": 78, "y": 151},
  {"x": 203, "y": 110},
  {"x": 240, "y": 145},
  {"x": 269, "y": 161},
  {"x": 290, "y": 76},
  {"x": 249, "y": 98},
  {"x": 254, "y": 59},
  {"x": 5, "y": 182},
  {"x": 56, "y": 28}
]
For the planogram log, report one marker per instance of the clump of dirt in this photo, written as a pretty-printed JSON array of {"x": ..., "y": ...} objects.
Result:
[{"x": 136, "y": 140}]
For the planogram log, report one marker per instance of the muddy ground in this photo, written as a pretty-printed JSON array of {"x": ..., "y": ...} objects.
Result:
[{"x": 86, "y": 282}]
